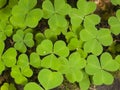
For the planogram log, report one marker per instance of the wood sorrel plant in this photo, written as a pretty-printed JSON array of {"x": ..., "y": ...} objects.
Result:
[{"x": 45, "y": 43}]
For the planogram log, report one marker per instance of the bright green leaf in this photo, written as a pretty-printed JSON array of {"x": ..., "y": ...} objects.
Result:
[
  {"x": 61, "y": 49},
  {"x": 115, "y": 23},
  {"x": 105, "y": 37},
  {"x": 93, "y": 46},
  {"x": 45, "y": 47},
  {"x": 50, "y": 61},
  {"x": 9, "y": 57},
  {"x": 102, "y": 77},
  {"x": 93, "y": 65},
  {"x": 32, "y": 86},
  {"x": 49, "y": 79},
  {"x": 86, "y": 7},
  {"x": 35, "y": 60},
  {"x": 108, "y": 63}
]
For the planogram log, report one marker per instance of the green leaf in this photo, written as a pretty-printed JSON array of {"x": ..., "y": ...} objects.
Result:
[
  {"x": 76, "y": 62},
  {"x": 50, "y": 34},
  {"x": 35, "y": 60},
  {"x": 32, "y": 86},
  {"x": 93, "y": 65},
  {"x": 27, "y": 4},
  {"x": 74, "y": 75},
  {"x": 26, "y": 71},
  {"x": 104, "y": 36},
  {"x": 20, "y": 46},
  {"x": 18, "y": 77},
  {"x": 108, "y": 63},
  {"x": 61, "y": 49},
  {"x": 56, "y": 13},
  {"x": 37, "y": 13},
  {"x": 93, "y": 46},
  {"x": 61, "y": 7},
  {"x": 2, "y": 3},
  {"x": 2, "y": 46},
  {"x": 88, "y": 34},
  {"x": 57, "y": 21},
  {"x": 75, "y": 44},
  {"x": 7, "y": 86},
  {"x": 22, "y": 60},
  {"x": 115, "y": 2},
  {"x": 50, "y": 61},
  {"x": 2, "y": 67},
  {"x": 9, "y": 57},
  {"x": 75, "y": 18},
  {"x": 28, "y": 40},
  {"x": 23, "y": 64},
  {"x": 5, "y": 30},
  {"x": 86, "y": 7},
  {"x": 39, "y": 37},
  {"x": 115, "y": 23},
  {"x": 102, "y": 77},
  {"x": 45, "y": 47},
  {"x": 85, "y": 83},
  {"x": 23, "y": 13},
  {"x": 91, "y": 20},
  {"x": 48, "y": 9},
  {"x": 49, "y": 79}
]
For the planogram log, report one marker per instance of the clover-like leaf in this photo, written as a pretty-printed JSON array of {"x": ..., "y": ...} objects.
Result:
[
  {"x": 27, "y": 4},
  {"x": 85, "y": 83},
  {"x": 37, "y": 13},
  {"x": 56, "y": 13},
  {"x": 93, "y": 65},
  {"x": 5, "y": 30},
  {"x": 76, "y": 18},
  {"x": 51, "y": 61},
  {"x": 22, "y": 14},
  {"x": 9, "y": 57},
  {"x": 18, "y": 77},
  {"x": 95, "y": 38},
  {"x": 115, "y": 23},
  {"x": 76, "y": 62},
  {"x": 61, "y": 49},
  {"x": 22, "y": 40},
  {"x": 23, "y": 64},
  {"x": 88, "y": 34},
  {"x": 103, "y": 77},
  {"x": 99, "y": 68},
  {"x": 45, "y": 47},
  {"x": 91, "y": 21},
  {"x": 86, "y": 7},
  {"x": 49, "y": 79},
  {"x": 93, "y": 46},
  {"x": 108, "y": 63},
  {"x": 7, "y": 86},
  {"x": 105, "y": 37},
  {"x": 75, "y": 44},
  {"x": 32, "y": 86},
  {"x": 35, "y": 60},
  {"x": 72, "y": 67},
  {"x": 74, "y": 75}
]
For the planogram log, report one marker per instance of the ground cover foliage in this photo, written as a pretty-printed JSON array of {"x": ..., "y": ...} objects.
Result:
[{"x": 45, "y": 44}]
